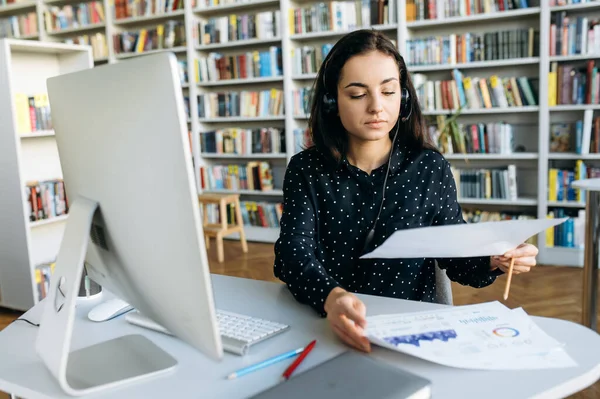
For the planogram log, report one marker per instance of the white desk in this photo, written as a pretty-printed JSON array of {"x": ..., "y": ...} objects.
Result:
[{"x": 23, "y": 374}]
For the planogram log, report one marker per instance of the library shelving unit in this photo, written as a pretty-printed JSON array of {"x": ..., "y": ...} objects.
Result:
[
  {"x": 403, "y": 21},
  {"x": 29, "y": 155}
]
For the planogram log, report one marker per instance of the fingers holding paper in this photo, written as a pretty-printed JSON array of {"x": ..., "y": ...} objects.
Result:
[
  {"x": 347, "y": 316},
  {"x": 524, "y": 256}
]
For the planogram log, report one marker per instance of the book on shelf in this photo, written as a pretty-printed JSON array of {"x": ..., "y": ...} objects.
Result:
[
  {"x": 479, "y": 138},
  {"x": 579, "y": 137},
  {"x": 572, "y": 35},
  {"x": 482, "y": 183},
  {"x": 560, "y": 182},
  {"x": 163, "y": 36},
  {"x": 422, "y": 10},
  {"x": 33, "y": 113},
  {"x": 473, "y": 92},
  {"x": 96, "y": 40},
  {"x": 254, "y": 213},
  {"x": 301, "y": 101},
  {"x": 144, "y": 8},
  {"x": 302, "y": 139},
  {"x": 46, "y": 199},
  {"x": 553, "y": 3},
  {"x": 572, "y": 85},
  {"x": 58, "y": 18},
  {"x": 240, "y": 141},
  {"x": 245, "y": 103},
  {"x": 18, "y": 26},
  {"x": 472, "y": 47},
  {"x": 252, "y": 64},
  {"x": 43, "y": 272},
  {"x": 308, "y": 59},
  {"x": 253, "y": 176},
  {"x": 341, "y": 16},
  {"x": 239, "y": 27},
  {"x": 571, "y": 233}
]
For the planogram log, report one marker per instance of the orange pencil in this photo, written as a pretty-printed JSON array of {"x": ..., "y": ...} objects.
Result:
[
  {"x": 288, "y": 372},
  {"x": 510, "y": 272}
]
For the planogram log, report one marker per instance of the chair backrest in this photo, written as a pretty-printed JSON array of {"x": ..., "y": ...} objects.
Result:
[{"x": 443, "y": 287}]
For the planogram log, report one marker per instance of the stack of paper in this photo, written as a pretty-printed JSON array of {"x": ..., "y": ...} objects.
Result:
[{"x": 484, "y": 336}]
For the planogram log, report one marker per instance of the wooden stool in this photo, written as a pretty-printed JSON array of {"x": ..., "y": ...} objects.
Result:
[{"x": 222, "y": 229}]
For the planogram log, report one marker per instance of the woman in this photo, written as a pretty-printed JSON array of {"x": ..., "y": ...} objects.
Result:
[{"x": 370, "y": 172}]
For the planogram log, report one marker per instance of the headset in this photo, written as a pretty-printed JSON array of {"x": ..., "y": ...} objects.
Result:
[{"x": 330, "y": 107}]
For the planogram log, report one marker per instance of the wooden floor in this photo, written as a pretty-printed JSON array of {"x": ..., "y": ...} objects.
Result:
[{"x": 549, "y": 291}]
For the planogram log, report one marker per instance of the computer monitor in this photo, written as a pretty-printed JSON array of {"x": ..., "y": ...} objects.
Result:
[{"x": 134, "y": 220}]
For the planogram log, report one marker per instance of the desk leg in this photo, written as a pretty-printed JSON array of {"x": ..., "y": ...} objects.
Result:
[{"x": 590, "y": 267}]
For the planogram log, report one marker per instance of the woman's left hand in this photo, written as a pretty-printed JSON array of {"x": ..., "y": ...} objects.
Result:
[{"x": 524, "y": 256}]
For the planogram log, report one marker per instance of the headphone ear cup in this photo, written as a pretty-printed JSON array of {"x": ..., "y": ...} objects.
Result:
[
  {"x": 329, "y": 104},
  {"x": 405, "y": 108}
]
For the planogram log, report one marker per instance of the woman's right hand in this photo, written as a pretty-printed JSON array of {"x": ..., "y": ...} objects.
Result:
[{"x": 347, "y": 316}]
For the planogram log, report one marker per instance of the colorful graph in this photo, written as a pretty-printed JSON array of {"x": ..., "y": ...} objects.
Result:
[
  {"x": 414, "y": 339},
  {"x": 506, "y": 332}
]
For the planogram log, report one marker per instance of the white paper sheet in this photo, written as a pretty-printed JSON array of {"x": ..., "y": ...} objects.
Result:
[
  {"x": 485, "y": 336},
  {"x": 461, "y": 240}
]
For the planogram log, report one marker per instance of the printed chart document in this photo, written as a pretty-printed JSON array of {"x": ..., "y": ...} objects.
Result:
[
  {"x": 461, "y": 240},
  {"x": 486, "y": 336}
]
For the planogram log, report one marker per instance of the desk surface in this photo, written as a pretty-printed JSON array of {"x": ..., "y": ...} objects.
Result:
[
  {"x": 23, "y": 374},
  {"x": 587, "y": 184}
]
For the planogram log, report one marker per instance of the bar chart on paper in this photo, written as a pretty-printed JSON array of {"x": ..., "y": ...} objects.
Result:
[{"x": 483, "y": 336}]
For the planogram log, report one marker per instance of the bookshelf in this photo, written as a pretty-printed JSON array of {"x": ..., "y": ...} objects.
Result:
[
  {"x": 29, "y": 157},
  {"x": 530, "y": 124}
]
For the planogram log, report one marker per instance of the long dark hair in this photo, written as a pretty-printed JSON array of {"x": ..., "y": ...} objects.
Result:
[{"x": 326, "y": 129}]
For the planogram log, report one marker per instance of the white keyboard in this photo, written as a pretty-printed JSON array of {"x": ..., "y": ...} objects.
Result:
[{"x": 238, "y": 332}]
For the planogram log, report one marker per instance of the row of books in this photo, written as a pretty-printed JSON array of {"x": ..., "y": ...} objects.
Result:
[
  {"x": 46, "y": 199},
  {"x": 494, "y": 183},
  {"x": 74, "y": 16},
  {"x": 301, "y": 101},
  {"x": 480, "y": 138},
  {"x": 33, "y": 113},
  {"x": 254, "y": 213},
  {"x": 553, "y": 3},
  {"x": 252, "y": 64},
  {"x": 560, "y": 180},
  {"x": 571, "y": 85},
  {"x": 570, "y": 234},
  {"x": 472, "y": 47},
  {"x": 244, "y": 103},
  {"x": 308, "y": 59},
  {"x": 18, "y": 26},
  {"x": 574, "y": 35},
  {"x": 143, "y": 8},
  {"x": 96, "y": 40},
  {"x": 43, "y": 272},
  {"x": 580, "y": 137},
  {"x": 420, "y": 10},
  {"x": 477, "y": 93},
  {"x": 236, "y": 27},
  {"x": 217, "y": 3},
  {"x": 240, "y": 141},
  {"x": 341, "y": 15},
  {"x": 168, "y": 35},
  {"x": 302, "y": 139},
  {"x": 250, "y": 176}
]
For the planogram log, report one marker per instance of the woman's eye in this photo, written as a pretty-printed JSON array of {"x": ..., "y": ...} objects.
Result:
[
  {"x": 356, "y": 96},
  {"x": 389, "y": 93}
]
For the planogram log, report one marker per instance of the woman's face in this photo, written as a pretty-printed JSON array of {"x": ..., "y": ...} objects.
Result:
[{"x": 369, "y": 96}]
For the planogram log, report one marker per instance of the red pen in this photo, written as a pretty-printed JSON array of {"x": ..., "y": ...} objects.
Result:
[{"x": 288, "y": 372}]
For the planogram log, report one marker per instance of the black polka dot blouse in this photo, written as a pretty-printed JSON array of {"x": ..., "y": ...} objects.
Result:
[{"x": 329, "y": 209}]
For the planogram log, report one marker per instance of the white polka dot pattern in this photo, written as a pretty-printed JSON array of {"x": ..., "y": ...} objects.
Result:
[{"x": 328, "y": 211}]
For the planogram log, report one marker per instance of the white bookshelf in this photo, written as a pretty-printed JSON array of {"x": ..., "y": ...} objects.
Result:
[
  {"x": 532, "y": 165},
  {"x": 24, "y": 68}
]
